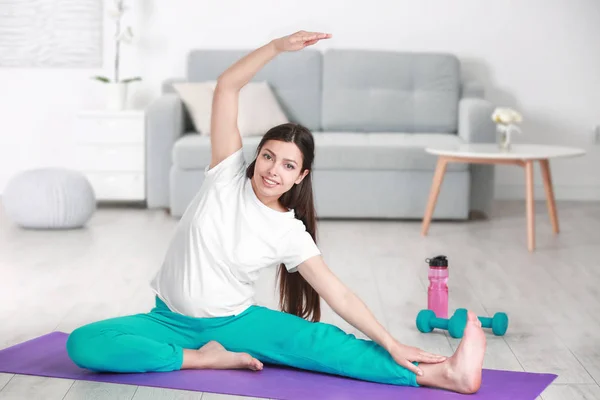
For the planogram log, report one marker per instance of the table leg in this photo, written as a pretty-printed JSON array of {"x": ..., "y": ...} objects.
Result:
[
  {"x": 438, "y": 178},
  {"x": 550, "y": 201},
  {"x": 530, "y": 205}
]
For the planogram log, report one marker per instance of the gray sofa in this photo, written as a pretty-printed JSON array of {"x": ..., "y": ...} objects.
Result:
[{"x": 372, "y": 114}]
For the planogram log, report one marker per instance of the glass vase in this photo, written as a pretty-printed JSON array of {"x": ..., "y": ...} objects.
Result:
[{"x": 503, "y": 135}]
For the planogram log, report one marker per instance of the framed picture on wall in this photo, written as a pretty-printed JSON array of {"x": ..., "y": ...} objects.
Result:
[{"x": 49, "y": 33}]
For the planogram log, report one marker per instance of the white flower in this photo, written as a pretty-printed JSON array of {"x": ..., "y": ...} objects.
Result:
[
  {"x": 126, "y": 36},
  {"x": 506, "y": 116},
  {"x": 117, "y": 10},
  {"x": 114, "y": 13}
]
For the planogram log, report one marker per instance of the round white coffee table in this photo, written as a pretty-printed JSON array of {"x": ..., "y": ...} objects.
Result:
[{"x": 523, "y": 155}]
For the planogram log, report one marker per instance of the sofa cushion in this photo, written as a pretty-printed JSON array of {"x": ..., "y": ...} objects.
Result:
[
  {"x": 381, "y": 150},
  {"x": 339, "y": 150},
  {"x": 294, "y": 77},
  {"x": 192, "y": 151},
  {"x": 367, "y": 90},
  {"x": 258, "y": 109}
]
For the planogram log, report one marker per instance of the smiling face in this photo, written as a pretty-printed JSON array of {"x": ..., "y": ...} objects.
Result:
[{"x": 277, "y": 169}]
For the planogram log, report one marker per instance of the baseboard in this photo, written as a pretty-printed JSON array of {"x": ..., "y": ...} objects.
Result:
[{"x": 561, "y": 192}]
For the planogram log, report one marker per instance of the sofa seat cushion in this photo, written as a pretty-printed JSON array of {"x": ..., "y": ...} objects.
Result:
[
  {"x": 192, "y": 151},
  {"x": 340, "y": 150},
  {"x": 381, "y": 150}
]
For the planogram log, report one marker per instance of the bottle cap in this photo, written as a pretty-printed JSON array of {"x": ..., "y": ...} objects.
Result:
[{"x": 439, "y": 261}]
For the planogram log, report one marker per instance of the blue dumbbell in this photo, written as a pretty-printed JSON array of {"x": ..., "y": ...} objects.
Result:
[
  {"x": 498, "y": 323},
  {"x": 427, "y": 321}
]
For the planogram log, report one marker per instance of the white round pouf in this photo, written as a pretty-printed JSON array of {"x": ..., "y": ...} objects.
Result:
[{"x": 49, "y": 198}]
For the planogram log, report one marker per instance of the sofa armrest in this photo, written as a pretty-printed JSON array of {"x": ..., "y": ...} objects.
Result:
[
  {"x": 165, "y": 122},
  {"x": 472, "y": 89},
  {"x": 475, "y": 125}
]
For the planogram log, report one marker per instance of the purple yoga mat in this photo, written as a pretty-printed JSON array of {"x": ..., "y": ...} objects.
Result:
[{"x": 47, "y": 356}]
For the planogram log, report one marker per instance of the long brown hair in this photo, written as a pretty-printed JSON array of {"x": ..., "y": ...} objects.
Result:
[{"x": 296, "y": 296}]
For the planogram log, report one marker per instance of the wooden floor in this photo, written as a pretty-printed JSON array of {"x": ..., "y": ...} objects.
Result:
[{"x": 59, "y": 280}]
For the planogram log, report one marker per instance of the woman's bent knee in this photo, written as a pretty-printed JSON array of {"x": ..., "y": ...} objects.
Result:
[
  {"x": 83, "y": 348},
  {"x": 103, "y": 348}
]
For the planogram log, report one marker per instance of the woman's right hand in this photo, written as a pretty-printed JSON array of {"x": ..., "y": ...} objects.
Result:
[
  {"x": 299, "y": 40},
  {"x": 407, "y": 355}
]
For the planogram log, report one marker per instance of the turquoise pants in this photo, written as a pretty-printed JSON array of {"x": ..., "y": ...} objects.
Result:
[{"x": 155, "y": 341}]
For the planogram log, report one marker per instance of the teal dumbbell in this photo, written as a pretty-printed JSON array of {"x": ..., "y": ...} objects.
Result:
[
  {"x": 498, "y": 323},
  {"x": 427, "y": 321}
]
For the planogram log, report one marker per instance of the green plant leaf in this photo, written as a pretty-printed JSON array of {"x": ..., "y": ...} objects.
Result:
[
  {"x": 134, "y": 79},
  {"x": 101, "y": 78}
]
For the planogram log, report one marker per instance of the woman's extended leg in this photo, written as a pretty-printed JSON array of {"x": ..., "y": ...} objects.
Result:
[
  {"x": 157, "y": 341},
  {"x": 281, "y": 338}
]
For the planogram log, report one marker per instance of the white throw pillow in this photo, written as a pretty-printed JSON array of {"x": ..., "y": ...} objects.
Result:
[
  {"x": 197, "y": 97},
  {"x": 258, "y": 108}
]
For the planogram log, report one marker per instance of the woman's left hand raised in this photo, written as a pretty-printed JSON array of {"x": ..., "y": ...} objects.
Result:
[{"x": 299, "y": 40}]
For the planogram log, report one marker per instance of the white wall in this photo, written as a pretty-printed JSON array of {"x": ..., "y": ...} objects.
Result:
[{"x": 541, "y": 57}]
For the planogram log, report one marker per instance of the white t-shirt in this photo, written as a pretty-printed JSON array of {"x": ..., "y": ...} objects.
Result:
[{"x": 225, "y": 237}]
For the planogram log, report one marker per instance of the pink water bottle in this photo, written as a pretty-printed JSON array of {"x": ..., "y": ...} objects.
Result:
[{"x": 437, "y": 293}]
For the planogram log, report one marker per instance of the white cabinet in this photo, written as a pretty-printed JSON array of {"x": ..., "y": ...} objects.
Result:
[{"x": 109, "y": 148}]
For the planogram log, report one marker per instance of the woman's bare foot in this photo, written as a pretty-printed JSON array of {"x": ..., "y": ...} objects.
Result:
[
  {"x": 214, "y": 356},
  {"x": 461, "y": 372}
]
